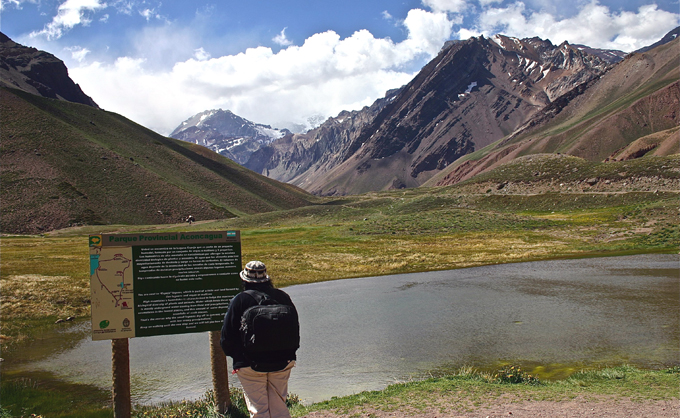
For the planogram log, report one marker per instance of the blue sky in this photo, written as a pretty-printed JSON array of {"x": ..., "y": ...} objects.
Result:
[{"x": 278, "y": 62}]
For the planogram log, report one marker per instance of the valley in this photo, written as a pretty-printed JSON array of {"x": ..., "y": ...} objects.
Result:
[
  {"x": 500, "y": 150},
  {"x": 490, "y": 221},
  {"x": 508, "y": 215}
]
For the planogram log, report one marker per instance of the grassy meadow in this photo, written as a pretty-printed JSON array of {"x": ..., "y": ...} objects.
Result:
[
  {"x": 468, "y": 389},
  {"x": 513, "y": 217}
]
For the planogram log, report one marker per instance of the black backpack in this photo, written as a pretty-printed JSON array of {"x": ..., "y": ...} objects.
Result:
[{"x": 269, "y": 325}]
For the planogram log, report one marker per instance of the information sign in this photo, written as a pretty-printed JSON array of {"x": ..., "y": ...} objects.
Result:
[{"x": 159, "y": 284}]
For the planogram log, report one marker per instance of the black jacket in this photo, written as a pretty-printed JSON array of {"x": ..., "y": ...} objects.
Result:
[{"x": 231, "y": 339}]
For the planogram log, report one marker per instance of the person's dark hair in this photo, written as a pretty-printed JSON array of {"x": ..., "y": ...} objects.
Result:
[{"x": 257, "y": 286}]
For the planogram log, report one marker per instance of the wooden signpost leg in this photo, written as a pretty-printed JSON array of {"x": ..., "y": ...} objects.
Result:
[
  {"x": 120, "y": 359},
  {"x": 220, "y": 374}
]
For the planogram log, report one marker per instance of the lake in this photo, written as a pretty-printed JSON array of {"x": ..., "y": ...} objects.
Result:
[{"x": 363, "y": 334}]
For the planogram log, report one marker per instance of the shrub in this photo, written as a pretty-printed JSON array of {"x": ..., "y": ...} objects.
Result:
[{"x": 514, "y": 375}]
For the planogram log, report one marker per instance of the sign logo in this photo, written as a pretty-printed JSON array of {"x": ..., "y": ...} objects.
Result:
[
  {"x": 126, "y": 323},
  {"x": 104, "y": 324},
  {"x": 95, "y": 240}
]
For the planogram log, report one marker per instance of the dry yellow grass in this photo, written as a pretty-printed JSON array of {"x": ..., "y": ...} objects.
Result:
[
  {"x": 45, "y": 278},
  {"x": 387, "y": 255},
  {"x": 42, "y": 279}
]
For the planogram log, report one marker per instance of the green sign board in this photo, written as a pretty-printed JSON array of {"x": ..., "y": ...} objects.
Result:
[{"x": 159, "y": 284}]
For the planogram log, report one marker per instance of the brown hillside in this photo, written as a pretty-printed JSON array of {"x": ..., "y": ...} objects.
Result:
[
  {"x": 472, "y": 94},
  {"x": 636, "y": 99},
  {"x": 66, "y": 164},
  {"x": 658, "y": 144}
]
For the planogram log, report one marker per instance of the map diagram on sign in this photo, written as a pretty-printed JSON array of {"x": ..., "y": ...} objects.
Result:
[{"x": 111, "y": 276}]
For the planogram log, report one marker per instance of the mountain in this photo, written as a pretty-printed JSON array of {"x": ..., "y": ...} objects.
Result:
[
  {"x": 302, "y": 158},
  {"x": 226, "y": 133},
  {"x": 631, "y": 111},
  {"x": 64, "y": 164},
  {"x": 472, "y": 94},
  {"x": 37, "y": 72},
  {"x": 610, "y": 55},
  {"x": 669, "y": 37}
]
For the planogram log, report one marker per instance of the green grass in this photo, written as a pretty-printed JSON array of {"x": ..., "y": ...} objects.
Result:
[
  {"x": 45, "y": 278},
  {"x": 23, "y": 397},
  {"x": 467, "y": 389},
  {"x": 46, "y": 397},
  {"x": 453, "y": 393},
  {"x": 565, "y": 168}
]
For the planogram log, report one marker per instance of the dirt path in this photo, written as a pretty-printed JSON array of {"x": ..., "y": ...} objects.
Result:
[{"x": 606, "y": 407}]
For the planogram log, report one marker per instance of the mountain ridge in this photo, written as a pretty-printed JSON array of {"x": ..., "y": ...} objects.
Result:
[
  {"x": 615, "y": 116},
  {"x": 433, "y": 120},
  {"x": 227, "y": 133},
  {"x": 37, "y": 72},
  {"x": 65, "y": 164}
]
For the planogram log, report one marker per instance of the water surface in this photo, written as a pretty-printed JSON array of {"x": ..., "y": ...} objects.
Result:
[{"x": 361, "y": 334}]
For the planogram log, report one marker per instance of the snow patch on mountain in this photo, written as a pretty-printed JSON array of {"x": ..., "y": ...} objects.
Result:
[
  {"x": 470, "y": 87},
  {"x": 227, "y": 133},
  {"x": 271, "y": 133}
]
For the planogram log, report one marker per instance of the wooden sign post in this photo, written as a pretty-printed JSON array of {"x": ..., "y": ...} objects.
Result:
[
  {"x": 120, "y": 365},
  {"x": 220, "y": 374},
  {"x": 162, "y": 284}
]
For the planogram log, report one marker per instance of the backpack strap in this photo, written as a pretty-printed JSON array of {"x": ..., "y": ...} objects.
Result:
[{"x": 257, "y": 295}]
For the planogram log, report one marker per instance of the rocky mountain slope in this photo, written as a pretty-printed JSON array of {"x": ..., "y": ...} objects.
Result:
[
  {"x": 609, "y": 55},
  {"x": 472, "y": 94},
  {"x": 65, "y": 163},
  {"x": 631, "y": 111},
  {"x": 37, "y": 72},
  {"x": 302, "y": 158},
  {"x": 226, "y": 133}
]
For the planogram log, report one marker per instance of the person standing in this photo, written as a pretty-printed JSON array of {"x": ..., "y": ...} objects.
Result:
[{"x": 263, "y": 354}]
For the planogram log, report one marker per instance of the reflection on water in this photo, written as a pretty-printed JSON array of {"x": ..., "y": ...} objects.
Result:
[{"x": 363, "y": 334}]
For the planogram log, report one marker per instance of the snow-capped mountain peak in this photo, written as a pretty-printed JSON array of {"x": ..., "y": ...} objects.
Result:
[{"x": 227, "y": 133}]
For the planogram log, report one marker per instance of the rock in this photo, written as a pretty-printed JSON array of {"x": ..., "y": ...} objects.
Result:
[{"x": 38, "y": 72}]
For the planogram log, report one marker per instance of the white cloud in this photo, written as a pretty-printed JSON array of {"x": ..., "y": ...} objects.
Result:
[
  {"x": 324, "y": 75},
  {"x": 167, "y": 78},
  {"x": 164, "y": 45},
  {"x": 201, "y": 54},
  {"x": 124, "y": 7},
  {"x": 594, "y": 25},
  {"x": 386, "y": 15},
  {"x": 427, "y": 31},
  {"x": 5, "y": 3},
  {"x": 78, "y": 53},
  {"x": 69, "y": 14},
  {"x": 453, "y": 6},
  {"x": 281, "y": 39},
  {"x": 15, "y": 3},
  {"x": 149, "y": 14},
  {"x": 146, "y": 14}
]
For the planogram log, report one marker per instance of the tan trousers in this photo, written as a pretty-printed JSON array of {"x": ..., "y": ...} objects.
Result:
[{"x": 266, "y": 393}]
